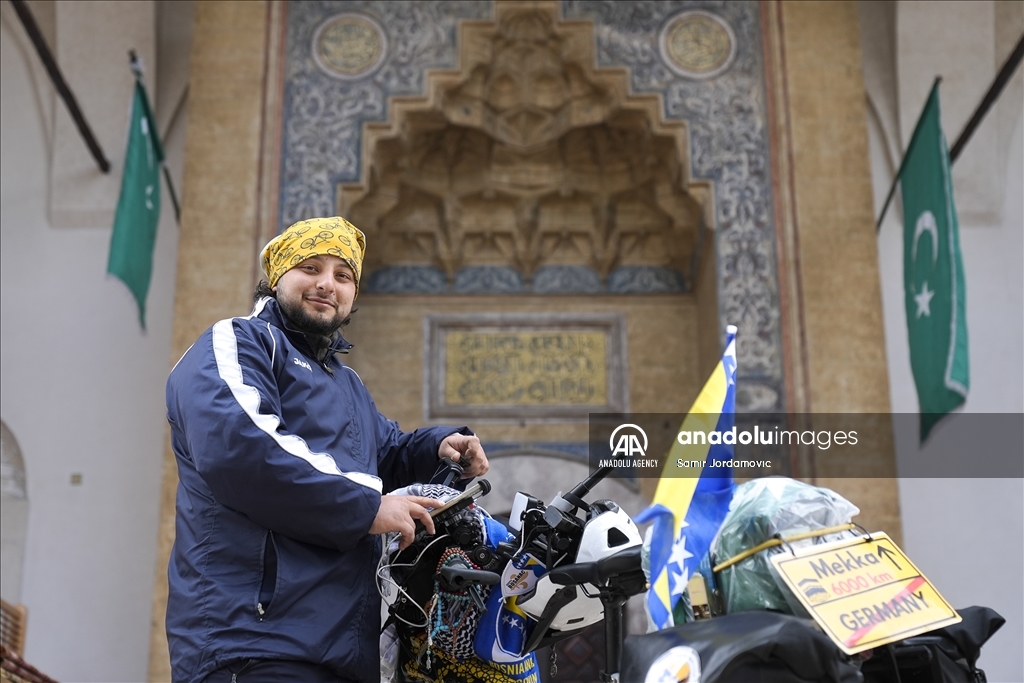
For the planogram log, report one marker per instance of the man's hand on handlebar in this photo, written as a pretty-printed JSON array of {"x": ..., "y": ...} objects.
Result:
[
  {"x": 467, "y": 451},
  {"x": 400, "y": 513}
]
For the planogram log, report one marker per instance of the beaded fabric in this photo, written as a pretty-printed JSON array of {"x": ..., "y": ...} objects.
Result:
[{"x": 454, "y": 616}]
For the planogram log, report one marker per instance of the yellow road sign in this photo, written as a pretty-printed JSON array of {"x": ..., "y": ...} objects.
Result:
[{"x": 864, "y": 592}]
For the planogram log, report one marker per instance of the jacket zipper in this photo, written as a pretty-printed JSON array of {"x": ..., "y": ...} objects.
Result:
[{"x": 325, "y": 363}]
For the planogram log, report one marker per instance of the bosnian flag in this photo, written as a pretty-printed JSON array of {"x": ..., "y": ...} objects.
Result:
[
  {"x": 503, "y": 631},
  {"x": 521, "y": 575},
  {"x": 687, "y": 510},
  {"x": 504, "y": 628}
]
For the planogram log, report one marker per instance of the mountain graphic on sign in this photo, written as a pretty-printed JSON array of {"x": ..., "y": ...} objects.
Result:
[{"x": 812, "y": 589}]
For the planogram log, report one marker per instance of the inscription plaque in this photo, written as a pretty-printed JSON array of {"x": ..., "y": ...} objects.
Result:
[
  {"x": 543, "y": 367},
  {"x": 497, "y": 366},
  {"x": 349, "y": 46},
  {"x": 698, "y": 44}
]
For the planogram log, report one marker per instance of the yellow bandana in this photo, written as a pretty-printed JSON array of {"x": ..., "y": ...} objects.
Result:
[{"x": 314, "y": 237}]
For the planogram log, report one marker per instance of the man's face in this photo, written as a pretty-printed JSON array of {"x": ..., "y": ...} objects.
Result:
[{"x": 317, "y": 294}]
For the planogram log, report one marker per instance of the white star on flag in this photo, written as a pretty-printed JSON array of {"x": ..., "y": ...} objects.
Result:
[
  {"x": 680, "y": 554},
  {"x": 729, "y": 365},
  {"x": 924, "y": 300},
  {"x": 677, "y": 582}
]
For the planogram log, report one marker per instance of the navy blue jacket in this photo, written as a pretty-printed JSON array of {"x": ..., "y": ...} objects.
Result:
[{"x": 282, "y": 461}]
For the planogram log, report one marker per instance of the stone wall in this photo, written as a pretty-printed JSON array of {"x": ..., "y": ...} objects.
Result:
[
  {"x": 774, "y": 153},
  {"x": 216, "y": 249},
  {"x": 831, "y": 237}
]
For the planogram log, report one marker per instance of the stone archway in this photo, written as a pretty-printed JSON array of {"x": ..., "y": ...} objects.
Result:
[
  {"x": 530, "y": 162},
  {"x": 530, "y": 171},
  {"x": 14, "y": 497},
  {"x": 544, "y": 475}
]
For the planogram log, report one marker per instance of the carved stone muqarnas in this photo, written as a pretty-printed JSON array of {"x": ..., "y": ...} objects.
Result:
[{"x": 530, "y": 159}]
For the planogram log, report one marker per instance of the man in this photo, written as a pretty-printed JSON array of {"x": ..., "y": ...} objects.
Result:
[{"x": 282, "y": 460}]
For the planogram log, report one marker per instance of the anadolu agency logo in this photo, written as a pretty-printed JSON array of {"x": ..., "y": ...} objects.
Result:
[{"x": 628, "y": 445}]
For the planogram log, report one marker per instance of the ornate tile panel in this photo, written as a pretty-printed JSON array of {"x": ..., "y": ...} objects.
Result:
[
  {"x": 324, "y": 113},
  {"x": 344, "y": 59},
  {"x": 729, "y": 144}
]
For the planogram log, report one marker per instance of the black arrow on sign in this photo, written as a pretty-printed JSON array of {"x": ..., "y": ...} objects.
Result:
[{"x": 888, "y": 555}]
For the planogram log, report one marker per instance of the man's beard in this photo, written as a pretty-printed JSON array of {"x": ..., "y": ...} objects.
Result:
[{"x": 309, "y": 324}]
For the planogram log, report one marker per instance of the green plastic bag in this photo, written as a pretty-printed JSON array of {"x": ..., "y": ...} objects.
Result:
[{"x": 760, "y": 510}]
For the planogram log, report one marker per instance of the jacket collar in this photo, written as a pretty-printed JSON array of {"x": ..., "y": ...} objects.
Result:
[{"x": 268, "y": 309}]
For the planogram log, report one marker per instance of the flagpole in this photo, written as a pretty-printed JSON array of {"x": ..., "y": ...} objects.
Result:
[
  {"x": 1012, "y": 62},
  {"x": 896, "y": 179},
  {"x": 996, "y": 89},
  {"x": 53, "y": 69},
  {"x": 174, "y": 196},
  {"x": 136, "y": 67}
]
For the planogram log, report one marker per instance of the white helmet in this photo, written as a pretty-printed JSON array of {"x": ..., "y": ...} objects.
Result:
[{"x": 606, "y": 534}]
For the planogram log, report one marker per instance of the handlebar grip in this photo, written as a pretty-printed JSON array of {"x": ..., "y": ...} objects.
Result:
[
  {"x": 599, "y": 572},
  {"x": 574, "y": 574},
  {"x": 481, "y": 488},
  {"x": 459, "y": 577}
]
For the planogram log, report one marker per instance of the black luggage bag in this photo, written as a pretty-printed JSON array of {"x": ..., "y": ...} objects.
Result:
[
  {"x": 748, "y": 647},
  {"x": 947, "y": 655}
]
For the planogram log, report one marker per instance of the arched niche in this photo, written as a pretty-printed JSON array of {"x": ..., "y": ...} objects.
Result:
[
  {"x": 543, "y": 475},
  {"x": 531, "y": 162},
  {"x": 13, "y": 515}
]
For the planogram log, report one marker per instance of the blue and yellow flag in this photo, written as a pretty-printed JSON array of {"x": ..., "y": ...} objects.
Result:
[
  {"x": 504, "y": 628},
  {"x": 687, "y": 511}
]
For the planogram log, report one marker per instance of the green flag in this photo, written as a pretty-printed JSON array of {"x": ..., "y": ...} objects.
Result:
[
  {"x": 933, "y": 273},
  {"x": 138, "y": 207}
]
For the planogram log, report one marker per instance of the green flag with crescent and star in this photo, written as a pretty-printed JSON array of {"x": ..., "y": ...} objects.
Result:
[
  {"x": 933, "y": 273},
  {"x": 138, "y": 207}
]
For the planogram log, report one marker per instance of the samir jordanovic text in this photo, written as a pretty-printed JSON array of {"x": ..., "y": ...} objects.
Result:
[{"x": 822, "y": 439}]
